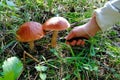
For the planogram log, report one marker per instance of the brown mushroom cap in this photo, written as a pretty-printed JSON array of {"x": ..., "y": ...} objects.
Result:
[
  {"x": 29, "y": 31},
  {"x": 56, "y": 23}
]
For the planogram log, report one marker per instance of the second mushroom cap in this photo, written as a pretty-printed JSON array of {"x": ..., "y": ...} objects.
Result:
[{"x": 56, "y": 23}]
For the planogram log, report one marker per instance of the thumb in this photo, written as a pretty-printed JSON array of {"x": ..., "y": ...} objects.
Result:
[{"x": 70, "y": 36}]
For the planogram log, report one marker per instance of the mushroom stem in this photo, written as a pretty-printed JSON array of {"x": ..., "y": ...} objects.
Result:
[
  {"x": 31, "y": 45},
  {"x": 54, "y": 39}
]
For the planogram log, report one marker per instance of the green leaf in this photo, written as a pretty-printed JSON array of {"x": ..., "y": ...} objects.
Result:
[
  {"x": 1, "y": 4},
  {"x": 40, "y": 68},
  {"x": 9, "y": 76},
  {"x": 40, "y": 1},
  {"x": 1, "y": 78},
  {"x": 55, "y": 52},
  {"x": 42, "y": 76},
  {"x": 10, "y": 3},
  {"x": 50, "y": 2},
  {"x": 92, "y": 51},
  {"x": 3, "y": 47},
  {"x": 12, "y": 66},
  {"x": 117, "y": 75}
]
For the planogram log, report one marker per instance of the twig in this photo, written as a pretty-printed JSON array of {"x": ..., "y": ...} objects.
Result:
[
  {"x": 28, "y": 75},
  {"x": 25, "y": 53},
  {"x": 36, "y": 76},
  {"x": 61, "y": 67},
  {"x": 24, "y": 58}
]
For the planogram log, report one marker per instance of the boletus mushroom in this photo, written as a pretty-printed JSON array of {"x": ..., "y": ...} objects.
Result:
[
  {"x": 29, "y": 32},
  {"x": 55, "y": 24}
]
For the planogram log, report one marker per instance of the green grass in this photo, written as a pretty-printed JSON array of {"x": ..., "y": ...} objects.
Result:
[{"x": 99, "y": 59}]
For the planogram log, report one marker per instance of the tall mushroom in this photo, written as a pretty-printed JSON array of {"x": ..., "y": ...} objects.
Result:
[
  {"x": 56, "y": 24},
  {"x": 29, "y": 32}
]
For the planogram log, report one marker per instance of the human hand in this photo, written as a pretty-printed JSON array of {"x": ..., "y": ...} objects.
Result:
[
  {"x": 78, "y": 34},
  {"x": 85, "y": 31}
]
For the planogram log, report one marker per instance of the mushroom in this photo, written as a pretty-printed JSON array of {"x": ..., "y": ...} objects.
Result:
[
  {"x": 29, "y": 32},
  {"x": 56, "y": 24}
]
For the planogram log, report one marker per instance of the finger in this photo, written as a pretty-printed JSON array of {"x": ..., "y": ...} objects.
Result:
[
  {"x": 73, "y": 43},
  {"x": 79, "y": 42},
  {"x": 82, "y": 42},
  {"x": 67, "y": 43},
  {"x": 70, "y": 35}
]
